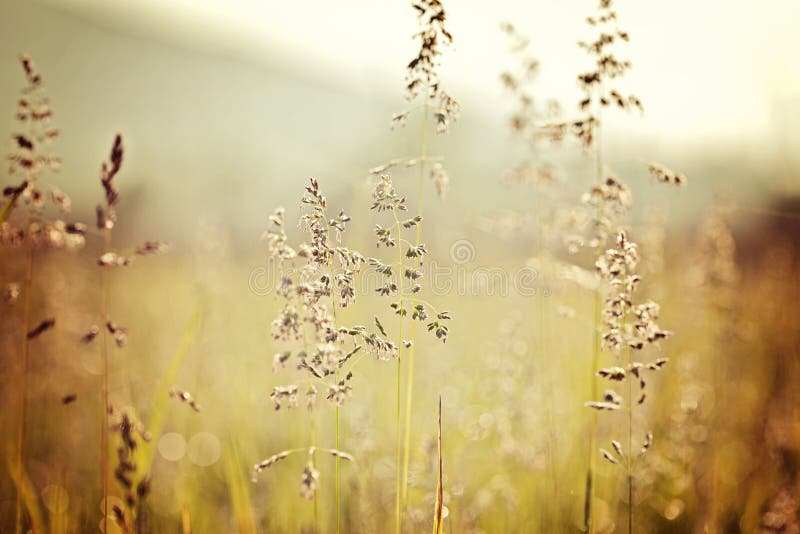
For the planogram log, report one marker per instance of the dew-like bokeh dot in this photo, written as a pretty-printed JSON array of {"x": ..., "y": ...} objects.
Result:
[
  {"x": 55, "y": 498},
  {"x": 90, "y": 360},
  {"x": 204, "y": 449},
  {"x": 172, "y": 446}
]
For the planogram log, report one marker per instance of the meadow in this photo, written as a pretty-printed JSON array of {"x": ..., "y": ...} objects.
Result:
[{"x": 592, "y": 340}]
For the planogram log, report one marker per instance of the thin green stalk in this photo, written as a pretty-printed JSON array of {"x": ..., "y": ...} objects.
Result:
[
  {"x": 158, "y": 411},
  {"x": 336, "y": 379},
  {"x": 411, "y": 350},
  {"x": 26, "y": 320},
  {"x": 398, "y": 453},
  {"x": 590, "y": 487},
  {"x": 239, "y": 492},
  {"x": 548, "y": 516}
]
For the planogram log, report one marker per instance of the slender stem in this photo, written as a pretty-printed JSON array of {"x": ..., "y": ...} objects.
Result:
[
  {"x": 630, "y": 445},
  {"x": 104, "y": 435},
  {"x": 23, "y": 400},
  {"x": 412, "y": 349},
  {"x": 26, "y": 325},
  {"x": 590, "y": 487},
  {"x": 337, "y": 474},
  {"x": 398, "y": 454},
  {"x": 9, "y": 206},
  {"x": 312, "y": 424},
  {"x": 548, "y": 516},
  {"x": 336, "y": 379}
]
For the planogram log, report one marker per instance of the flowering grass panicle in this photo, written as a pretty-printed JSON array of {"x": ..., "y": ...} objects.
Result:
[
  {"x": 135, "y": 486},
  {"x": 422, "y": 80},
  {"x": 110, "y": 258},
  {"x": 39, "y": 226},
  {"x": 598, "y": 83},
  {"x": 316, "y": 278},
  {"x": 31, "y": 155},
  {"x": 399, "y": 279},
  {"x": 604, "y": 205},
  {"x": 319, "y": 276},
  {"x": 422, "y": 74},
  {"x": 630, "y": 328}
]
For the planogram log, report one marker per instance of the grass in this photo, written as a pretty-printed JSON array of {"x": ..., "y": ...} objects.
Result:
[
  {"x": 694, "y": 433},
  {"x": 23, "y": 387}
]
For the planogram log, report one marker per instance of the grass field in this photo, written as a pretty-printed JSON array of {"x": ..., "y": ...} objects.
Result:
[{"x": 590, "y": 339}]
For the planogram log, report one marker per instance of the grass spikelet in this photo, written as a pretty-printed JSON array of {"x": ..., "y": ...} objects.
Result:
[
  {"x": 185, "y": 397},
  {"x": 422, "y": 80},
  {"x": 106, "y": 221},
  {"x": 39, "y": 227}
]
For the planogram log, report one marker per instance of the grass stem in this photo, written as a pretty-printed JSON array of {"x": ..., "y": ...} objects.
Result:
[
  {"x": 398, "y": 454},
  {"x": 412, "y": 349},
  {"x": 23, "y": 399},
  {"x": 630, "y": 446},
  {"x": 590, "y": 473},
  {"x": 104, "y": 430}
]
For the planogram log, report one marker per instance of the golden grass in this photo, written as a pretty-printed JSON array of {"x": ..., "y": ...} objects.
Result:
[{"x": 707, "y": 442}]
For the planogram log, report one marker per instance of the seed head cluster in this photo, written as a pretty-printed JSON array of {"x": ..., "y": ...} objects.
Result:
[
  {"x": 135, "y": 486},
  {"x": 422, "y": 71},
  {"x": 319, "y": 276},
  {"x": 27, "y": 162}
]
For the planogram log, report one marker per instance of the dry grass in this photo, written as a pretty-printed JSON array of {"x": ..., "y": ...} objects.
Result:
[{"x": 696, "y": 433}]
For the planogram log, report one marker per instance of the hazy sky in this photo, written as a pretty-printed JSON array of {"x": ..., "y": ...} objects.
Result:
[
  {"x": 705, "y": 69},
  {"x": 223, "y": 101}
]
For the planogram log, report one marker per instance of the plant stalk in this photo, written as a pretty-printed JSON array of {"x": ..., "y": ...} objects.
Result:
[
  {"x": 630, "y": 446},
  {"x": 104, "y": 431},
  {"x": 398, "y": 452},
  {"x": 336, "y": 379},
  {"x": 590, "y": 473},
  {"x": 26, "y": 324},
  {"x": 411, "y": 350}
]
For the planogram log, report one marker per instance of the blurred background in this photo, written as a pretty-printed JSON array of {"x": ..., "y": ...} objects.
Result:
[
  {"x": 227, "y": 108},
  {"x": 271, "y": 93}
]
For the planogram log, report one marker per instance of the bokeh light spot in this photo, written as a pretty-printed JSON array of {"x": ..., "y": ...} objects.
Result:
[
  {"x": 172, "y": 446},
  {"x": 204, "y": 449}
]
